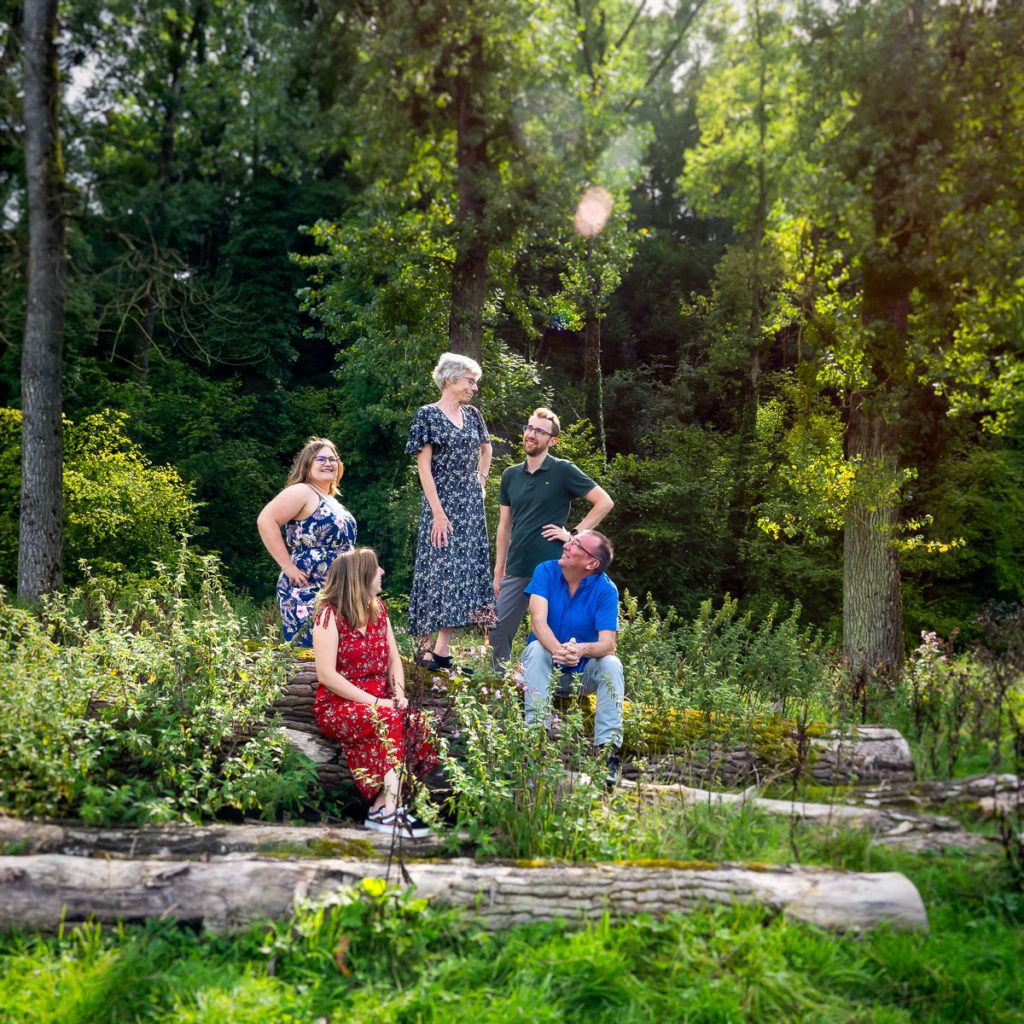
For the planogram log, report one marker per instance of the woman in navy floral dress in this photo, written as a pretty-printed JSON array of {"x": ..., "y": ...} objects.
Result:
[
  {"x": 451, "y": 584},
  {"x": 360, "y": 702},
  {"x": 317, "y": 529}
]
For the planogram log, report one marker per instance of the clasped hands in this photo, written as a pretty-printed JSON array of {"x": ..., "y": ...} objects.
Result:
[{"x": 567, "y": 654}]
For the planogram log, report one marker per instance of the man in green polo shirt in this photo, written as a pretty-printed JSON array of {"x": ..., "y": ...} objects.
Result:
[{"x": 534, "y": 505}]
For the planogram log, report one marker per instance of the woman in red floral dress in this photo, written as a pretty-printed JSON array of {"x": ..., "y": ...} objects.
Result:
[{"x": 361, "y": 701}]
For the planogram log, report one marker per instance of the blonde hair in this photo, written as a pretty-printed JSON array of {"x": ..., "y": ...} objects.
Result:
[
  {"x": 348, "y": 588},
  {"x": 304, "y": 462},
  {"x": 547, "y": 414},
  {"x": 451, "y": 366}
]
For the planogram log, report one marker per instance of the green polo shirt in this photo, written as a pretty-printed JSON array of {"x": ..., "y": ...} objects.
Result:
[{"x": 535, "y": 500}]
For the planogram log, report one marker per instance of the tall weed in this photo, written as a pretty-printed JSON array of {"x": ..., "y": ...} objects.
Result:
[{"x": 148, "y": 712}]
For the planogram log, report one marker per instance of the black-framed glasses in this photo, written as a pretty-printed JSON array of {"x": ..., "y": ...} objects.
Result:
[
  {"x": 575, "y": 542},
  {"x": 527, "y": 429},
  {"x": 325, "y": 460},
  {"x": 472, "y": 381}
]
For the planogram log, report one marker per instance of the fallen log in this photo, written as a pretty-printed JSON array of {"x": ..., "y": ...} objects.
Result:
[
  {"x": 177, "y": 841},
  {"x": 866, "y": 754},
  {"x": 223, "y": 893},
  {"x": 890, "y": 826}
]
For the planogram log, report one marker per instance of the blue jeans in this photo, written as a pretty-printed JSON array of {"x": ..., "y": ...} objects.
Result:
[{"x": 601, "y": 675}]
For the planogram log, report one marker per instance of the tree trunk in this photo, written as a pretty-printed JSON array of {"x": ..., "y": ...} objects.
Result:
[
  {"x": 45, "y": 891},
  {"x": 469, "y": 273},
  {"x": 872, "y": 609},
  {"x": 593, "y": 382},
  {"x": 42, "y": 454}
]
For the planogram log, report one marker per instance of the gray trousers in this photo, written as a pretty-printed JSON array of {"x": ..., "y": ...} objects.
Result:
[
  {"x": 511, "y": 607},
  {"x": 602, "y": 676}
]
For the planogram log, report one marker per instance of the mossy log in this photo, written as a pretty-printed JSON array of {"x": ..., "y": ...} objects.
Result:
[
  {"x": 222, "y": 893},
  {"x": 890, "y": 826},
  {"x": 690, "y": 748}
]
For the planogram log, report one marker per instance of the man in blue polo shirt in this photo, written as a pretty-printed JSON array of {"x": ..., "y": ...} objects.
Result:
[
  {"x": 533, "y": 506},
  {"x": 574, "y": 614}
]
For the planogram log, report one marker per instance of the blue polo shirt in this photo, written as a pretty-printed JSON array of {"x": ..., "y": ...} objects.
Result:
[{"x": 594, "y": 606}]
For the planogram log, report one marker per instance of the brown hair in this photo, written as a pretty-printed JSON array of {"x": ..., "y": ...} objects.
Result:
[
  {"x": 304, "y": 462},
  {"x": 348, "y": 588},
  {"x": 547, "y": 414}
]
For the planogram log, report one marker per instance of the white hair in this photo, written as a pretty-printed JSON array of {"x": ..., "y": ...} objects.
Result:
[{"x": 451, "y": 366}]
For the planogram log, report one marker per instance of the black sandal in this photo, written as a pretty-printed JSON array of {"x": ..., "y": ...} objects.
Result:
[{"x": 426, "y": 659}]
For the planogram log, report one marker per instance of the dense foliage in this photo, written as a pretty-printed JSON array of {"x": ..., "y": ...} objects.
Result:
[
  {"x": 142, "y": 713},
  {"x": 273, "y": 220},
  {"x": 122, "y": 514}
]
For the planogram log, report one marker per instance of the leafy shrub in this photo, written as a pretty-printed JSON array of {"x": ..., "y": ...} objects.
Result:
[
  {"x": 521, "y": 793},
  {"x": 121, "y": 513},
  {"x": 722, "y": 679},
  {"x": 153, "y": 712}
]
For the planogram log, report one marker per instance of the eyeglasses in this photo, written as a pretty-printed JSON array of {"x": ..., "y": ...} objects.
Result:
[
  {"x": 575, "y": 542},
  {"x": 325, "y": 460},
  {"x": 471, "y": 381},
  {"x": 527, "y": 429}
]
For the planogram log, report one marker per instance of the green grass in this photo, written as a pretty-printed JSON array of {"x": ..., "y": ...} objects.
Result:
[{"x": 411, "y": 964}]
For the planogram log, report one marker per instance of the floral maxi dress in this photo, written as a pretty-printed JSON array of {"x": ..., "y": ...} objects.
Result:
[
  {"x": 373, "y": 740},
  {"x": 313, "y": 543},
  {"x": 451, "y": 585}
]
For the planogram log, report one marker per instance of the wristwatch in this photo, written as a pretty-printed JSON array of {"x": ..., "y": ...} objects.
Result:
[{"x": 572, "y": 533}]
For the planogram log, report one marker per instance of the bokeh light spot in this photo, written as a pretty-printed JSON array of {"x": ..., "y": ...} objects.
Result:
[{"x": 593, "y": 211}]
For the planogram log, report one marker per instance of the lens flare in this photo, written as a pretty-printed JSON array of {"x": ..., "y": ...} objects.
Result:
[{"x": 593, "y": 211}]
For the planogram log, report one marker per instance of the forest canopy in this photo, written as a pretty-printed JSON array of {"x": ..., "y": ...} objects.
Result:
[{"x": 789, "y": 347}]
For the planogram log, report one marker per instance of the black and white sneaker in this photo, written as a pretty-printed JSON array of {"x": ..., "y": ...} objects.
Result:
[
  {"x": 399, "y": 820},
  {"x": 380, "y": 821},
  {"x": 412, "y": 825}
]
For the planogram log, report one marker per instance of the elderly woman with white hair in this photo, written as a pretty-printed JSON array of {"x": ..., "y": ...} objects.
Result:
[{"x": 451, "y": 584}]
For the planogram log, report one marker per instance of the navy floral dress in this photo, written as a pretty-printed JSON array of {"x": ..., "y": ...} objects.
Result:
[
  {"x": 314, "y": 543},
  {"x": 451, "y": 585}
]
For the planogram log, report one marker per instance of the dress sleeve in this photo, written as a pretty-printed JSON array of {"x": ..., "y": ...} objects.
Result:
[
  {"x": 421, "y": 432},
  {"x": 324, "y": 614}
]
